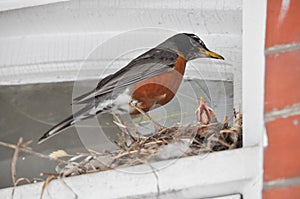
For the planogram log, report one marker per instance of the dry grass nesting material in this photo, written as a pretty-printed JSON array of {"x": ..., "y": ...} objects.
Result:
[{"x": 165, "y": 143}]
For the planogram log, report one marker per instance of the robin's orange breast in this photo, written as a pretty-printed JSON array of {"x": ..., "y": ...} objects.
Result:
[{"x": 159, "y": 89}]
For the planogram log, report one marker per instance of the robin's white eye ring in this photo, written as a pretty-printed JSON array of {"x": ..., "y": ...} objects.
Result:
[{"x": 195, "y": 37}]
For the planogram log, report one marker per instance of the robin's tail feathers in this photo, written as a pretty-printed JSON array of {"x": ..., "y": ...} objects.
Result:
[
  {"x": 118, "y": 105},
  {"x": 83, "y": 114},
  {"x": 68, "y": 122},
  {"x": 89, "y": 96}
]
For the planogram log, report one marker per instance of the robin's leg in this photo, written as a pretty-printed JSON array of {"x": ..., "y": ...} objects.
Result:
[{"x": 156, "y": 125}]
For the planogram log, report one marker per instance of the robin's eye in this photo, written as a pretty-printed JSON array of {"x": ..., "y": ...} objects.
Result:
[
  {"x": 198, "y": 40},
  {"x": 201, "y": 42}
]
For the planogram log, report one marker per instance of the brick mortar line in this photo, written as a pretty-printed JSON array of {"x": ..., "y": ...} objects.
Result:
[
  {"x": 282, "y": 48},
  {"x": 282, "y": 113},
  {"x": 282, "y": 183}
]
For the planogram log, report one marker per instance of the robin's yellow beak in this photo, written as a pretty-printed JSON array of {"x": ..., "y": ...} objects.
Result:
[{"x": 211, "y": 54}]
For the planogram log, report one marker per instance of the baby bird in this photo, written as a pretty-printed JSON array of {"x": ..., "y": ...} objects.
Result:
[{"x": 205, "y": 114}]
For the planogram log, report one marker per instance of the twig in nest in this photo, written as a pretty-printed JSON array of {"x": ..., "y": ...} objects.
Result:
[
  {"x": 48, "y": 180},
  {"x": 239, "y": 120},
  {"x": 26, "y": 180},
  {"x": 20, "y": 146},
  {"x": 26, "y": 149},
  {"x": 49, "y": 174},
  {"x": 122, "y": 141},
  {"x": 14, "y": 160},
  {"x": 22, "y": 179},
  {"x": 75, "y": 195},
  {"x": 220, "y": 141},
  {"x": 13, "y": 165},
  {"x": 125, "y": 128},
  {"x": 157, "y": 126},
  {"x": 234, "y": 113}
]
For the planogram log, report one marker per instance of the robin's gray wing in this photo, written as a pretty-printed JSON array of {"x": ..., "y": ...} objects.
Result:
[{"x": 152, "y": 63}]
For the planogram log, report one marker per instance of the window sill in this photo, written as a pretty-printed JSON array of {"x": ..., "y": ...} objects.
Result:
[{"x": 211, "y": 175}]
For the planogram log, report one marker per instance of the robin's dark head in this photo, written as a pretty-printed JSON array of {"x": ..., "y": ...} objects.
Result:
[{"x": 190, "y": 46}]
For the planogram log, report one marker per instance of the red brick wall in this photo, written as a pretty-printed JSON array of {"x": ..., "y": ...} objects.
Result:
[{"x": 282, "y": 100}]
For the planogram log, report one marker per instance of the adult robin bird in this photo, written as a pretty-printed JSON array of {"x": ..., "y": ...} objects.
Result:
[
  {"x": 150, "y": 80},
  {"x": 205, "y": 114}
]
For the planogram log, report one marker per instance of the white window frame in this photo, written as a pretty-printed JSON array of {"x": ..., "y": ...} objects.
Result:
[
  {"x": 222, "y": 173},
  {"x": 6, "y": 5}
]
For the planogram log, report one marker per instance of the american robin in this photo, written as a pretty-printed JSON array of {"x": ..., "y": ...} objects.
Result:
[
  {"x": 149, "y": 81},
  {"x": 205, "y": 114}
]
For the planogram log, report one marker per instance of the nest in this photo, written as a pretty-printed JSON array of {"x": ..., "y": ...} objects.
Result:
[{"x": 165, "y": 143}]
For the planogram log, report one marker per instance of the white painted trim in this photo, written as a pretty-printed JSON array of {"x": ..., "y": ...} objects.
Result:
[
  {"x": 6, "y": 5},
  {"x": 253, "y": 70},
  {"x": 215, "y": 174},
  {"x": 254, "y": 26},
  {"x": 59, "y": 57},
  {"x": 58, "y": 37}
]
